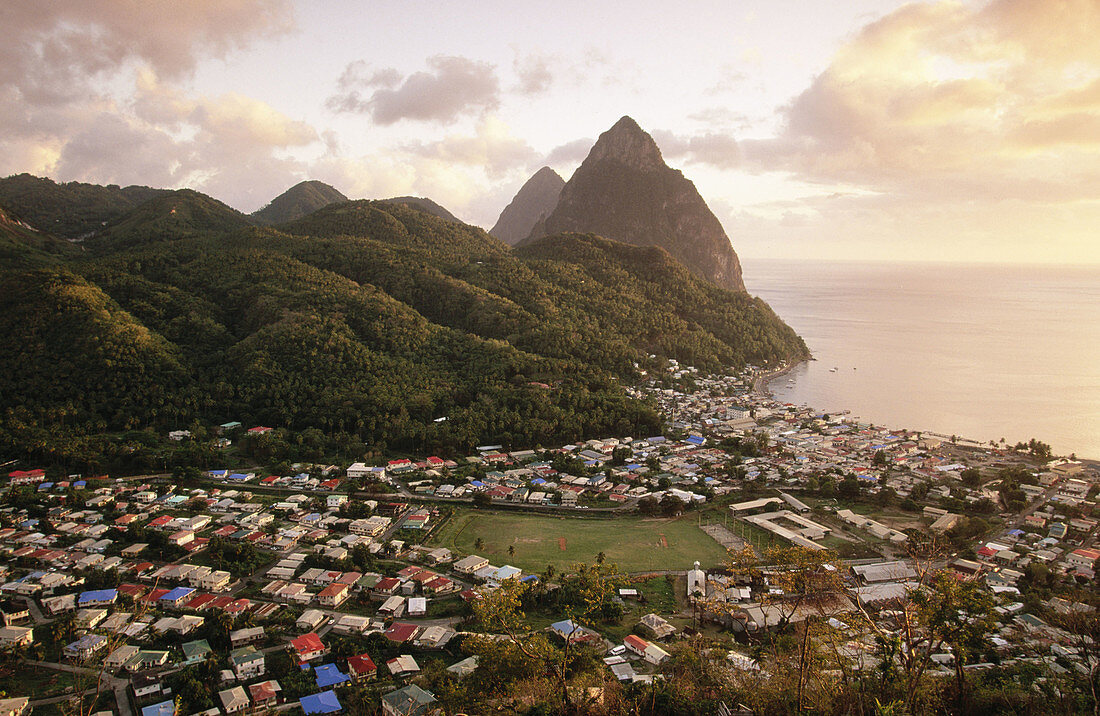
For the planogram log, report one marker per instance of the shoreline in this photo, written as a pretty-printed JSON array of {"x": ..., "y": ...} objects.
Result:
[
  {"x": 760, "y": 388},
  {"x": 760, "y": 382}
]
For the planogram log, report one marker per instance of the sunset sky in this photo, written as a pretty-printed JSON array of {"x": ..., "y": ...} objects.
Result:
[{"x": 854, "y": 129}]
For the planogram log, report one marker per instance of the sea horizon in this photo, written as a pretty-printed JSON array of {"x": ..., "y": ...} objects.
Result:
[{"x": 981, "y": 350}]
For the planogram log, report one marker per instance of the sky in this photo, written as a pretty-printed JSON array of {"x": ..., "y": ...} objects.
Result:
[{"x": 853, "y": 129}]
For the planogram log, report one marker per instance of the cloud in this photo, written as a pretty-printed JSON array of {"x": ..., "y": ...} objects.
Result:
[
  {"x": 534, "y": 74},
  {"x": 493, "y": 147},
  {"x": 572, "y": 152},
  {"x": 940, "y": 99},
  {"x": 714, "y": 149},
  {"x": 52, "y": 50},
  {"x": 453, "y": 87}
]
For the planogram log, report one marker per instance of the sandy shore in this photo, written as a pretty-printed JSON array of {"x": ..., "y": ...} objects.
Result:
[{"x": 760, "y": 384}]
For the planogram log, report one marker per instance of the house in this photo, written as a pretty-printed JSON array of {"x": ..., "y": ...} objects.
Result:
[
  {"x": 117, "y": 658},
  {"x": 403, "y": 665},
  {"x": 234, "y": 700},
  {"x": 250, "y": 635},
  {"x": 1082, "y": 558},
  {"x": 351, "y": 624},
  {"x": 146, "y": 659},
  {"x": 84, "y": 647},
  {"x": 13, "y": 611},
  {"x": 164, "y": 708},
  {"x": 214, "y": 581},
  {"x": 265, "y": 693},
  {"x": 658, "y": 625},
  {"x": 471, "y": 564},
  {"x": 329, "y": 675},
  {"x": 176, "y": 597},
  {"x": 308, "y": 647},
  {"x": 311, "y": 619},
  {"x": 195, "y": 652},
  {"x": 145, "y": 685},
  {"x": 418, "y": 606},
  {"x": 248, "y": 662},
  {"x": 12, "y": 637},
  {"x": 408, "y": 701},
  {"x": 361, "y": 667},
  {"x": 97, "y": 598},
  {"x": 322, "y": 703},
  {"x": 401, "y": 632},
  {"x": 334, "y": 595},
  {"x": 20, "y": 706}
]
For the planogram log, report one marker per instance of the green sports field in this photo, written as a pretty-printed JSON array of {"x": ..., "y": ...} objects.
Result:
[{"x": 634, "y": 544}]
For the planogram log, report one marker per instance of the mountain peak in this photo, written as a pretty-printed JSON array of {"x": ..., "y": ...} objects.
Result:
[
  {"x": 299, "y": 200},
  {"x": 534, "y": 202},
  {"x": 627, "y": 143},
  {"x": 624, "y": 191}
]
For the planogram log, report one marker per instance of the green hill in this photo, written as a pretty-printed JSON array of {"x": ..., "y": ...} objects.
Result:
[
  {"x": 71, "y": 210},
  {"x": 298, "y": 201},
  {"x": 172, "y": 215},
  {"x": 21, "y": 245},
  {"x": 363, "y": 325},
  {"x": 424, "y": 204}
]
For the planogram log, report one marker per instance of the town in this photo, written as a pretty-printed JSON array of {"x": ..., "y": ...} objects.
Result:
[{"x": 361, "y": 588}]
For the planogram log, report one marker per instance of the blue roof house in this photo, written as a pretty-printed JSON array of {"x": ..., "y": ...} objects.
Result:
[
  {"x": 322, "y": 703},
  {"x": 329, "y": 675}
]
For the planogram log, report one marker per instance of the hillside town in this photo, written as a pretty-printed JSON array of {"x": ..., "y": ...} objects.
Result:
[{"x": 333, "y": 589}]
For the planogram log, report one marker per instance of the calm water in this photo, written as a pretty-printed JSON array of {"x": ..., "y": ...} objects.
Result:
[{"x": 980, "y": 351}]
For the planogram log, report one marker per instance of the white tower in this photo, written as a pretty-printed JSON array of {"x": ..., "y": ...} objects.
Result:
[{"x": 697, "y": 583}]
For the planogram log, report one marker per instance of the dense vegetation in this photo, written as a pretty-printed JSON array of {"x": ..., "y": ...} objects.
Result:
[
  {"x": 379, "y": 325},
  {"x": 73, "y": 209},
  {"x": 297, "y": 201}
]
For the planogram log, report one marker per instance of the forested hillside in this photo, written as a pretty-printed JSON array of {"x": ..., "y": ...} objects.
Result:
[{"x": 367, "y": 325}]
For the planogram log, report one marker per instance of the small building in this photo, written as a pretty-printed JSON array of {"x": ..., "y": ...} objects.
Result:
[
  {"x": 234, "y": 700},
  {"x": 308, "y": 647},
  {"x": 322, "y": 703},
  {"x": 410, "y": 700},
  {"x": 361, "y": 667},
  {"x": 265, "y": 694}
]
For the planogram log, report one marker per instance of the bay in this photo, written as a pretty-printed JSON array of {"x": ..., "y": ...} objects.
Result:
[{"x": 983, "y": 351}]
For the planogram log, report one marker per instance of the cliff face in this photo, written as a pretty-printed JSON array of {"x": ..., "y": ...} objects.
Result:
[
  {"x": 533, "y": 203},
  {"x": 624, "y": 191}
]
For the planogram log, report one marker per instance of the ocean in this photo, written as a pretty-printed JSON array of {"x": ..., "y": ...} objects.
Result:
[{"x": 976, "y": 350}]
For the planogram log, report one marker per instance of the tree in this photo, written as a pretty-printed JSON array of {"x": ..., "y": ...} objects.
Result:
[
  {"x": 849, "y": 488},
  {"x": 511, "y": 550},
  {"x": 479, "y": 544},
  {"x": 939, "y": 611},
  {"x": 482, "y": 499},
  {"x": 971, "y": 477}
]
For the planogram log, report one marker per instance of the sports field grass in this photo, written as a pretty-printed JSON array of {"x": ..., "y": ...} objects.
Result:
[{"x": 634, "y": 544}]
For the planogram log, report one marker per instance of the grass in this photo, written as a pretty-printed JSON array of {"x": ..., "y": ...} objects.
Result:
[
  {"x": 635, "y": 544},
  {"x": 40, "y": 683}
]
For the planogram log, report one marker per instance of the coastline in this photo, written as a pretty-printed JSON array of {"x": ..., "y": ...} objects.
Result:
[{"x": 760, "y": 382}]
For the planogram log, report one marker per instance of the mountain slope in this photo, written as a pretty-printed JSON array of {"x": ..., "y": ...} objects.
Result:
[
  {"x": 624, "y": 190},
  {"x": 359, "y": 326},
  {"x": 531, "y": 204},
  {"x": 21, "y": 245},
  {"x": 424, "y": 204},
  {"x": 71, "y": 210},
  {"x": 172, "y": 215},
  {"x": 298, "y": 201}
]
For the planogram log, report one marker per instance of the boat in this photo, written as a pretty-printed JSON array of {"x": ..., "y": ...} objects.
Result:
[{"x": 832, "y": 370}]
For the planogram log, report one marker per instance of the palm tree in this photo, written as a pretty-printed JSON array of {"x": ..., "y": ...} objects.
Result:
[
  {"x": 479, "y": 543},
  {"x": 600, "y": 557},
  {"x": 511, "y": 550},
  {"x": 549, "y": 572}
]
